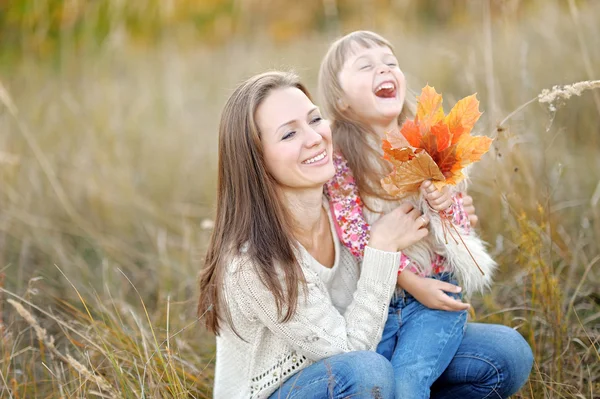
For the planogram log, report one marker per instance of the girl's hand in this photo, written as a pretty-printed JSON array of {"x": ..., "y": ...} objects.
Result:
[
  {"x": 470, "y": 209},
  {"x": 431, "y": 292},
  {"x": 398, "y": 229},
  {"x": 438, "y": 200}
]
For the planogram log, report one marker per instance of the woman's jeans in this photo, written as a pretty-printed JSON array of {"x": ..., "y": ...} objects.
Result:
[
  {"x": 493, "y": 361},
  {"x": 356, "y": 375},
  {"x": 420, "y": 342}
]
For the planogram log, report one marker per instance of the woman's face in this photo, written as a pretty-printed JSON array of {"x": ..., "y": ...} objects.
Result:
[
  {"x": 373, "y": 84},
  {"x": 296, "y": 140}
]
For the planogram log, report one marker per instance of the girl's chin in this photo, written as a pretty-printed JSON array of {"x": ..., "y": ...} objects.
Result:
[{"x": 390, "y": 112}]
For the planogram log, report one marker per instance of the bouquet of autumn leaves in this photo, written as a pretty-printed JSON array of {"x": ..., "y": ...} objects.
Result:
[{"x": 439, "y": 148}]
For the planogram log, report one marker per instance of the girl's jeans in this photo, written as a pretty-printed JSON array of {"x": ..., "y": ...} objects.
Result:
[{"x": 420, "y": 342}]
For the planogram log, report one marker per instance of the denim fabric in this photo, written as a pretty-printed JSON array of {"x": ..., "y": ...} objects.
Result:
[
  {"x": 357, "y": 375},
  {"x": 493, "y": 361},
  {"x": 420, "y": 342}
]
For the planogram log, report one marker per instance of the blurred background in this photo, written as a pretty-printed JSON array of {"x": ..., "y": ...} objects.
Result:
[{"x": 108, "y": 144}]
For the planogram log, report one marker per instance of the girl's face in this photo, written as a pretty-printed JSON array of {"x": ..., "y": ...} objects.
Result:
[
  {"x": 373, "y": 84},
  {"x": 296, "y": 140}
]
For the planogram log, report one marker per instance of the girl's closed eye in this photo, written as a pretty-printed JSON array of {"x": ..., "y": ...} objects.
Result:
[
  {"x": 364, "y": 67},
  {"x": 392, "y": 62}
]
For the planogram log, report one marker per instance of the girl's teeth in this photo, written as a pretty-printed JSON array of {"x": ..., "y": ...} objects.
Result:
[
  {"x": 315, "y": 159},
  {"x": 385, "y": 86}
]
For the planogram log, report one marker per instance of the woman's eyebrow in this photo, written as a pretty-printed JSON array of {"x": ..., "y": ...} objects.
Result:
[
  {"x": 312, "y": 110},
  {"x": 285, "y": 124},
  {"x": 294, "y": 120}
]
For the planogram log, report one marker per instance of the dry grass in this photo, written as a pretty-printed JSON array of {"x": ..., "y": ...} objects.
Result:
[{"x": 107, "y": 173}]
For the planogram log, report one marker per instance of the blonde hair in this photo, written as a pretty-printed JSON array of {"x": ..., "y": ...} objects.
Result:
[
  {"x": 350, "y": 136},
  {"x": 250, "y": 211}
]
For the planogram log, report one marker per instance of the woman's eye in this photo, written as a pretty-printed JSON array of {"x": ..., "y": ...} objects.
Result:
[
  {"x": 316, "y": 119},
  {"x": 288, "y": 135}
]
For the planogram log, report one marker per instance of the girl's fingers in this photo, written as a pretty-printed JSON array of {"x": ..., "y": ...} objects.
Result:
[
  {"x": 447, "y": 287},
  {"x": 473, "y": 219},
  {"x": 453, "y": 305},
  {"x": 428, "y": 187},
  {"x": 467, "y": 201},
  {"x": 434, "y": 196},
  {"x": 441, "y": 204},
  {"x": 447, "y": 204}
]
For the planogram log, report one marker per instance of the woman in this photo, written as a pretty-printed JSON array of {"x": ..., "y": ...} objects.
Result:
[{"x": 294, "y": 316}]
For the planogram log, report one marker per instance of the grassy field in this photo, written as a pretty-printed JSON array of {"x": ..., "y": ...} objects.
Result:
[{"x": 108, "y": 173}]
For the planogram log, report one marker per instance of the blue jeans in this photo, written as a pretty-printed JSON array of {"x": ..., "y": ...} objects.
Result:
[
  {"x": 493, "y": 361},
  {"x": 420, "y": 342},
  {"x": 356, "y": 375}
]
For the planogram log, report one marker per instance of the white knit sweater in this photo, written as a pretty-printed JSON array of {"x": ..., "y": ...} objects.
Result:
[{"x": 341, "y": 312}]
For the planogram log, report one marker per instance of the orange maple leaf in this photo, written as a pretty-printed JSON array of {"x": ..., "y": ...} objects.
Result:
[
  {"x": 429, "y": 107},
  {"x": 394, "y": 153},
  {"x": 442, "y": 145},
  {"x": 463, "y": 116},
  {"x": 411, "y": 132},
  {"x": 470, "y": 149}
]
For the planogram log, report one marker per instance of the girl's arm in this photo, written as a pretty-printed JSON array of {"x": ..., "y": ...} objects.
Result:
[
  {"x": 431, "y": 292},
  {"x": 456, "y": 207}
]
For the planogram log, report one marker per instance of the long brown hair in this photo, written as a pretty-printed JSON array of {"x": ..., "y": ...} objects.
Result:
[
  {"x": 251, "y": 217},
  {"x": 350, "y": 136}
]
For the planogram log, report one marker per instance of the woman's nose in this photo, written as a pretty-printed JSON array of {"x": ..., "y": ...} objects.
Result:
[{"x": 313, "y": 138}]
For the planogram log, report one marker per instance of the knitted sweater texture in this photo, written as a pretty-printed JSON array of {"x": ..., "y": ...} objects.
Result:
[{"x": 344, "y": 309}]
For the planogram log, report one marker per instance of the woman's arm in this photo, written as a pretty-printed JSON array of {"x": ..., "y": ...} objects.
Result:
[{"x": 317, "y": 327}]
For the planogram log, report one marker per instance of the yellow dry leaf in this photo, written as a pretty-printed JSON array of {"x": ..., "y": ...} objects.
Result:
[{"x": 407, "y": 176}]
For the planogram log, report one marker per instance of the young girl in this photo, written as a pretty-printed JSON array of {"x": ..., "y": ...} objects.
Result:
[
  {"x": 294, "y": 315},
  {"x": 363, "y": 92}
]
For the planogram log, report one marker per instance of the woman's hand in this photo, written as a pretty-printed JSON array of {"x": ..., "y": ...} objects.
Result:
[
  {"x": 470, "y": 209},
  {"x": 431, "y": 292},
  {"x": 438, "y": 200},
  {"x": 398, "y": 229}
]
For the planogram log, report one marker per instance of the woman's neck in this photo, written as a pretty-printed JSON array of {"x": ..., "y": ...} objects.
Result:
[
  {"x": 305, "y": 208},
  {"x": 311, "y": 225}
]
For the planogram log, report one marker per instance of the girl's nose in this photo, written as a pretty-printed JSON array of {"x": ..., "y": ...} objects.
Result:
[{"x": 384, "y": 68}]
